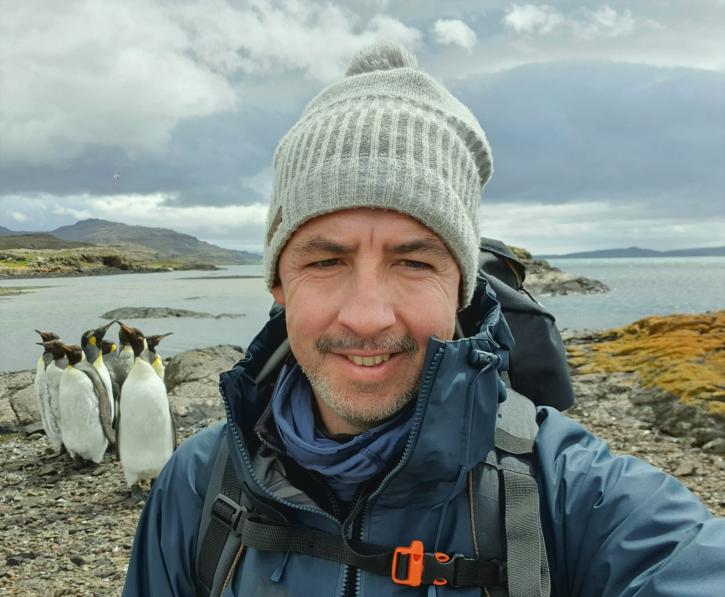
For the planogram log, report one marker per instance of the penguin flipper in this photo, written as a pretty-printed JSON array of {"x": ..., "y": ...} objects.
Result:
[
  {"x": 173, "y": 428},
  {"x": 104, "y": 400},
  {"x": 118, "y": 429}
]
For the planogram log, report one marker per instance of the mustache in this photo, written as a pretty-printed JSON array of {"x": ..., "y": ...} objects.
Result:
[{"x": 404, "y": 344}]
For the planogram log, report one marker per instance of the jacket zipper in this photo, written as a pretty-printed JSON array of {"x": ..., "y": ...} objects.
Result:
[
  {"x": 353, "y": 590},
  {"x": 350, "y": 571},
  {"x": 250, "y": 469}
]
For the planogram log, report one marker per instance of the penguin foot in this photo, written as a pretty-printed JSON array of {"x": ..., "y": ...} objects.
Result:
[
  {"x": 137, "y": 494},
  {"x": 53, "y": 455},
  {"x": 80, "y": 464}
]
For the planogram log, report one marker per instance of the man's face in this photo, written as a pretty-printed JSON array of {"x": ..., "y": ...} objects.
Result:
[{"x": 363, "y": 290}]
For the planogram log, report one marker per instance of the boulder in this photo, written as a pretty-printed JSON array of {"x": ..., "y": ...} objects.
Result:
[
  {"x": 544, "y": 279},
  {"x": 192, "y": 381},
  {"x": 161, "y": 312},
  {"x": 18, "y": 405}
]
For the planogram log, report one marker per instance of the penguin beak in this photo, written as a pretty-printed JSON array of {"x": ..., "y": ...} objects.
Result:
[
  {"x": 127, "y": 330},
  {"x": 101, "y": 331},
  {"x": 46, "y": 335}
]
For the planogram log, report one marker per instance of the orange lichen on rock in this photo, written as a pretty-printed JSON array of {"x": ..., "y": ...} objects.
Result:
[{"x": 683, "y": 355}]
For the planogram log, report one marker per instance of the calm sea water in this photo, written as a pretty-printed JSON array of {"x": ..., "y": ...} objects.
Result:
[
  {"x": 68, "y": 306},
  {"x": 640, "y": 287}
]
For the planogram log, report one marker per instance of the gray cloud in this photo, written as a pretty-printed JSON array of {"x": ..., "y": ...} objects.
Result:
[
  {"x": 575, "y": 131},
  {"x": 609, "y": 108}
]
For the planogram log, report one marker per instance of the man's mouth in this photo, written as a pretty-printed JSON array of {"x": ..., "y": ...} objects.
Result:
[{"x": 369, "y": 361}]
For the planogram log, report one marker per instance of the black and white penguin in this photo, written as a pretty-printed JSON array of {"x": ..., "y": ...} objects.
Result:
[
  {"x": 85, "y": 414},
  {"x": 40, "y": 386},
  {"x": 110, "y": 358},
  {"x": 154, "y": 358},
  {"x": 125, "y": 352},
  {"x": 146, "y": 431},
  {"x": 91, "y": 344},
  {"x": 52, "y": 380}
]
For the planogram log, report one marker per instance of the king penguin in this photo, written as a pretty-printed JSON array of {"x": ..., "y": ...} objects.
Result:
[
  {"x": 110, "y": 358},
  {"x": 85, "y": 416},
  {"x": 91, "y": 344},
  {"x": 146, "y": 432},
  {"x": 40, "y": 384},
  {"x": 154, "y": 358},
  {"x": 52, "y": 379},
  {"x": 125, "y": 352}
]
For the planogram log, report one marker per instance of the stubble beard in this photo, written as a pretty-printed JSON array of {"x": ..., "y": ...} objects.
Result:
[{"x": 361, "y": 406}]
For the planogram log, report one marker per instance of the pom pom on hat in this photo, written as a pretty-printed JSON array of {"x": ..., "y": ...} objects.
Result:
[{"x": 381, "y": 56}]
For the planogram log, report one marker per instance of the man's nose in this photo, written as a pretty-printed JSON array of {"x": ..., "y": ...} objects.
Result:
[{"x": 367, "y": 308}]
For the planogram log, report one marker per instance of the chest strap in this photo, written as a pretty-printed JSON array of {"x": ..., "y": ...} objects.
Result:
[{"x": 411, "y": 565}]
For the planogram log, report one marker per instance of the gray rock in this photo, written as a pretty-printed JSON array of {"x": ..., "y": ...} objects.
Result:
[
  {"x": 192, "y": 380},
  {"x": 161, "y": 312},
  {"x": 17, "y": 392},
  {"x": 8, "y": 420},
  {"x": 555, "y": 282},
  {"x": 716, "y": 446}
]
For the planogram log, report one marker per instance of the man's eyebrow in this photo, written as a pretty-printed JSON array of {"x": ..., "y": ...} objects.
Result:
[
  {"x": 320, "y": 244},
  {"x": 423, "y": 245}
]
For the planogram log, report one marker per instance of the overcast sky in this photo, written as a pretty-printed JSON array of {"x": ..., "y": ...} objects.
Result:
[{"x": 606, "y": 119}]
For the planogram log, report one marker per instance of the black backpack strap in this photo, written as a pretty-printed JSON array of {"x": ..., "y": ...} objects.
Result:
[
  {"x": 404, "y": 565},
  {"x": 229, "y": 526},
  {"x": 218, "y": 547},
  {"x": 528, "y": 567}
]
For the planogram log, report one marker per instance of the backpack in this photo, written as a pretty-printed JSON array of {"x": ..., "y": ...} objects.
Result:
[
  {"x": 538, "y": 366},
  {"x": 510, "y": 552},
  {"x": 510, "y": 556}
]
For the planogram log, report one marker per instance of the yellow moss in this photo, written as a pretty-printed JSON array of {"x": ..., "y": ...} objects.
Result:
[{"x": 680, "y": 354}]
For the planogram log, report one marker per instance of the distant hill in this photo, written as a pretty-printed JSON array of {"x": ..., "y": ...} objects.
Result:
[
  {"x": 639, "y": 252},
  {"x": 7, "y": 232},
  {"x": 167, "y": 243},
  {"x": 16, "y": 240}
]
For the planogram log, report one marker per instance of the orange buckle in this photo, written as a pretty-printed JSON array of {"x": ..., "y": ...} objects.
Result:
[{"x": 415, "y": 564}]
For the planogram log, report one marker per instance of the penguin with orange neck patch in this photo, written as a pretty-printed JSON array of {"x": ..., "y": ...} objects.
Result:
[
  {"x": 91, "y": 343},
  {"x": 154, "y": 358}
]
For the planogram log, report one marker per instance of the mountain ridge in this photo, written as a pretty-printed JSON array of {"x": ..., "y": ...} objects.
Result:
[
  {"x": 167, "y": 243},
  {"x": 638, "y": 252}
]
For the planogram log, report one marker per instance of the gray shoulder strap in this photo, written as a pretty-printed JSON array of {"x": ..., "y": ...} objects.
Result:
[
  {"x": 528, "y": 568},
  {"x": 516, "y": 427},
  {"x": 217, "y": 547}
]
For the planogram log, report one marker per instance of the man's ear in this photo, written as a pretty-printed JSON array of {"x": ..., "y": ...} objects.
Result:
[{"x": 278, "y": 294}]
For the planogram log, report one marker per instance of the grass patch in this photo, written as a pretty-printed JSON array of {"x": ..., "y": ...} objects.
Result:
[{"x": 14, "y": 264}]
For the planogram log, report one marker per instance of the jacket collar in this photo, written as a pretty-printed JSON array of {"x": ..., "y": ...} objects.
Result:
[{"x": 455, "y": 412}]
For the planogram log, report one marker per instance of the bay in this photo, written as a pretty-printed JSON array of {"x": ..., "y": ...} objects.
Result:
[
  {"x": 638, "y": 288},
  {"x": 68, "y": 306}
]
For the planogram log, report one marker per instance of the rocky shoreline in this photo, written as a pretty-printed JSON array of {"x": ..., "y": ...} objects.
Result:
[
  {"x": 68, "y": 531},
  {"x": 543, "y": 279},
  {"x": 88, "y": 261}
]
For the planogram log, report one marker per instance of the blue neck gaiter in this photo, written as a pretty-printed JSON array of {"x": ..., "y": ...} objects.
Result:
[{"x": 344, "y": 464}]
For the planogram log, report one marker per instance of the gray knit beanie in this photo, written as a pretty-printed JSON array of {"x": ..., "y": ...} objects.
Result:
[{"x": 386, "y": 136}]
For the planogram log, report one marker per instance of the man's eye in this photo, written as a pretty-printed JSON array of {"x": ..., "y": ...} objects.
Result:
[
  {"x": 412, "y": 264},
  {"x": 325, "y": 263}
]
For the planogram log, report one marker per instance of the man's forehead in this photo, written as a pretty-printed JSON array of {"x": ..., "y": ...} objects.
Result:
[{"x": 352, "y": 227}]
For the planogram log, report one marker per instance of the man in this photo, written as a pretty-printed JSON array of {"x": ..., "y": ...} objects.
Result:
[{"x": 369, "y": 458}]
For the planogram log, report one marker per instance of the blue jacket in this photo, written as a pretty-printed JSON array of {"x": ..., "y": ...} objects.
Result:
[{"x": 612, "y": 525}]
